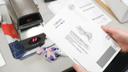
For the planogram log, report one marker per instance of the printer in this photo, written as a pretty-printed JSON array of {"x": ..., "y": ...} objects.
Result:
[{"x": 24, "y": 13}]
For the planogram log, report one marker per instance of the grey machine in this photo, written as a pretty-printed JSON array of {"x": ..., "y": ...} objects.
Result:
[{"x": 24, "y": 13}]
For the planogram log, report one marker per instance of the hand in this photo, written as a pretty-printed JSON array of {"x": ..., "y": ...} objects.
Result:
[
  {"x": 78, "y": 68},
  {"x": 121, "y": 37}
]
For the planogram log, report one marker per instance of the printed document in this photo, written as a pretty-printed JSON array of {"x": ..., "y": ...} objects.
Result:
[
  {"x": 87, "y": 8},
  {"x": 82, "y": 39}
]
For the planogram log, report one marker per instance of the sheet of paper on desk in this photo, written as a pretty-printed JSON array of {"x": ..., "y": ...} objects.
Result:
[
  {"x": 82, "y": 40},
  {"x": 91, "y": 11},
  {"x": 2, "y": 62},
  {"x": 87, "y": 8}
]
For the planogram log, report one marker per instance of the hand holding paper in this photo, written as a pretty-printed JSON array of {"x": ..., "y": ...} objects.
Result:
[
  {"x": 77, "y": 31},
  {"x": 121, "y": 37}
]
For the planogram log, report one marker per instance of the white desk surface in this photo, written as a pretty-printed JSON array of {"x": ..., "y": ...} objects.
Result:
[{"x": 37, "y": 63}]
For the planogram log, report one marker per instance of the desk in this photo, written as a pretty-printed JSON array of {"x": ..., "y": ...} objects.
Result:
[
  {"x": 36, "y": 63},
  {"x": 32, "y": 64}
]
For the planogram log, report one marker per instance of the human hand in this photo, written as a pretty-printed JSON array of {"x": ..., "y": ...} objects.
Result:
[
  {"x": 121, "y": 37},
  {"x": 78, "y": 68}
]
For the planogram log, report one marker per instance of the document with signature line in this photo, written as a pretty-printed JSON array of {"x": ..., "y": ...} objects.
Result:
[{"x": 82, "y": 39}]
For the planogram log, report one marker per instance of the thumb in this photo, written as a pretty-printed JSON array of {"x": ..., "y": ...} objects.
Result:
[
  {"x": 78, "y": 68},
  {"x": 111, "y": 31},
  {"x": 115, "y": 33}
]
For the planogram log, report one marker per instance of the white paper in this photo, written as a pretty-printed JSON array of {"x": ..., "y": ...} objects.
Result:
[
  {"x": 57, "y": 5},
  {"x": 2, "y": 2},
  {"x": 82, "y": 40},
  {"x": 87, "y": 8},
  {"x": 91, "y": 11},
  {"x": 125, "y": 2},
  {"x": 2, "y": 62}
]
